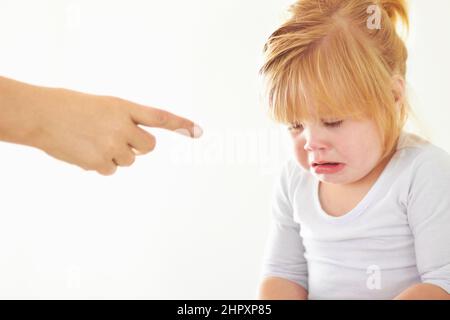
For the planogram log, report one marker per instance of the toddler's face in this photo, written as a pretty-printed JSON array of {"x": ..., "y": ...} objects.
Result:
[{"x": 355, "y": 144}]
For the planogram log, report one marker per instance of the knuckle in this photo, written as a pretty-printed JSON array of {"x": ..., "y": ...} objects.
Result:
[
  {"x": 107, "y": 170},
  {"x": 95, "y": 163},
  {"x": 117, "y": 114},
  {"x": 116, "y": 101},
  {"x": 129, "y": 161},
  {"x": 103, "y": 166},
  {"x": 162, "y": 117},
  {"x": 150, "y": 144},
  {"x": 86, "y": 167}
]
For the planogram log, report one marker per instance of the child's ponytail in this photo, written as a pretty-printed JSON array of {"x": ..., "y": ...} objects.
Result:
[{"x": 397, "y": 11}]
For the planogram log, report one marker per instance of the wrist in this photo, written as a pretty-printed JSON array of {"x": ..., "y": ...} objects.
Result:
[{"x": 20, "y": 111}]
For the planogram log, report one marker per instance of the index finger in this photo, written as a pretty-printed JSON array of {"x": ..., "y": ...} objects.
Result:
[{"x": 158, "y": 118}]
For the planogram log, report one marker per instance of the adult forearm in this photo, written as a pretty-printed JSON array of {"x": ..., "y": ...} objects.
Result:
[
  {"x": 19, "y": 110},
  {"x": 423, "y": 291},
  {"x": 94, "y": 132}
]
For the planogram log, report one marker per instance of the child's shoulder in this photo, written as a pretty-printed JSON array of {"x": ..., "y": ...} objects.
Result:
[{"x": 423, "y": 156}]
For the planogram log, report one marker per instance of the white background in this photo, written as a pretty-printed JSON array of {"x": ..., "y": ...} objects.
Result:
[{"x": 190, "y": 220}]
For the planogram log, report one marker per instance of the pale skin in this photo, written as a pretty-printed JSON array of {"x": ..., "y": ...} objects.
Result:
[
  {"x": 356, "y": 144},
  {"x": 94, "y": 132}
]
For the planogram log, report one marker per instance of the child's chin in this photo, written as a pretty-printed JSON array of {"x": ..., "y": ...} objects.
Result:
[{"x": 332, "y": 178}]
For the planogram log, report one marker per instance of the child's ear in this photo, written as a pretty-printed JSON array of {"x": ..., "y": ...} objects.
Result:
[{"x": 398, "y": 88}]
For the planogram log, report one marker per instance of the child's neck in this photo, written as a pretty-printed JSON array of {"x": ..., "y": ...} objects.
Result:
[{"x": 337, "y": 200}]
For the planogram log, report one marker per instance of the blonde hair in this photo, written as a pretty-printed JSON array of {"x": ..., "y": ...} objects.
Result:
[{"x": 328, "y": 61}]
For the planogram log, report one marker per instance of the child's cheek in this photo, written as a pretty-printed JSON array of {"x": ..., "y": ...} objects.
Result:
[{"x": 301, "y": 155}]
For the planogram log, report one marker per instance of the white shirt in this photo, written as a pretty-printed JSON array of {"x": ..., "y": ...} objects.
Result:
[{"x": 398, "y": 234}]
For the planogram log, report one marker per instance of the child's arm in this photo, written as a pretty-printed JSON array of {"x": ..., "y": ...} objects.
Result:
[
  {"x": 424, "y": 291},
  {"x": 428, "y": 212},
  {"x": 274, "y": 288},
  {"x": 285, "y": 270}
]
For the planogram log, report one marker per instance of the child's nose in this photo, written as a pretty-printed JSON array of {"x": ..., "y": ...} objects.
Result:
[{"x": 314, "y": 140}]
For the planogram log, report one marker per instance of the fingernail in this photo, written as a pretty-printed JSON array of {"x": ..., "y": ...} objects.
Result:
[
  {"x": 184, "y": 132},
  {"x": 197, "y": 131}
]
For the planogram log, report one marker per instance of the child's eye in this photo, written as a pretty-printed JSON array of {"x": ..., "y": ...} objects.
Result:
[
  {"x": 334, "y": 124},
  {"x": 295, "y": 126}
]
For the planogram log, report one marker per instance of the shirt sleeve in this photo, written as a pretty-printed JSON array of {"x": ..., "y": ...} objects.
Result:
[
  {"x": 284, "y": 255},
  {"x": 429, "y": 218}
]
